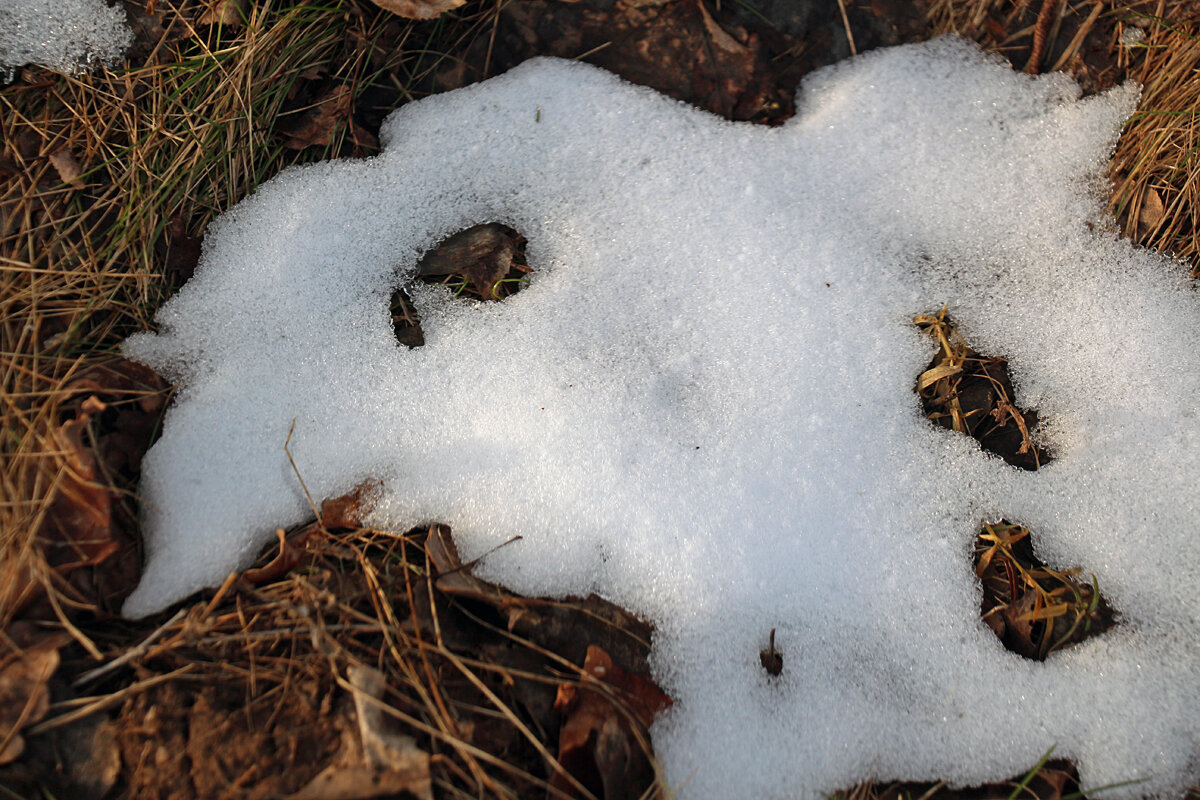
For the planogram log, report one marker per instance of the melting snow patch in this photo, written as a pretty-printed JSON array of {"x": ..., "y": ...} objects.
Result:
[
  {"x": 702, "y": 405},
  {"x": 63, "y": 35}
]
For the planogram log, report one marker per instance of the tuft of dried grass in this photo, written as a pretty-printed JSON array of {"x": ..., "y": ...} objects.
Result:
[{"x": 1156, "y": 166}]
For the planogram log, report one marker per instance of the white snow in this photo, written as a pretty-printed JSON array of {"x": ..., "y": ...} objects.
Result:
[
  {"x": 702, "y": 405},
  {"x": 63, "y": 35}
]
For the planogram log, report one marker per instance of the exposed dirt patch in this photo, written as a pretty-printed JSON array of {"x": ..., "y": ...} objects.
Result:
[
  {"x": 483, "y": 262},
  {"x": 1032, "y": 609},
  {"x": 186, "y": 739},
  {"x": 973, "y": 394}
]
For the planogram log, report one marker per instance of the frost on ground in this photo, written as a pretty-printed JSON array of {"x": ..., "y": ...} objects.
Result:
[
  {"x": 63, "y": 35},
  {"x": 702, "y": 405}
]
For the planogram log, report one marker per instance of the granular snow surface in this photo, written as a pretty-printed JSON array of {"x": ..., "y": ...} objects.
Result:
[
  {"x": 701, "y": 407},
  {"x": 63, "y": 35}
]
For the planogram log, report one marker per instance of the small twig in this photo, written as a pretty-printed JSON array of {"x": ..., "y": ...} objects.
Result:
[
  {"x": 230, "y": 579},
  {"x": 106, "y": 702},
  {"x": 1081, "y": 34},
  {"x": 552, "y": 762},
  {"x": 593, "y": 51},
  {"x": 286, "y": 443},
  {"x": 76, "y": 634},
  {"x": 461, "y": 745},
  {"x": 129, "y": 655},
  {"x": 846, "y": 22},
  {"x": 474, "y": 561},
  {"x": 932, "y": 790}
]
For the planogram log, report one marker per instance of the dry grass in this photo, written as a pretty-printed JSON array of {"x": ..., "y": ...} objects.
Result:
[
  {"x": 1156, "y": 168},
  {"x": 255, "y": 682}
]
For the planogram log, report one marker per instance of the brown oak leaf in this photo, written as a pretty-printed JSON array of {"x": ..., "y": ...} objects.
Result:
[{"x": 602, "y": 744}]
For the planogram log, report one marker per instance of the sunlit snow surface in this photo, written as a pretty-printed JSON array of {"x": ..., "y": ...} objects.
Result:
[
  {"x": 67, "y": 36},
  {"x": 702, "y": 405}
]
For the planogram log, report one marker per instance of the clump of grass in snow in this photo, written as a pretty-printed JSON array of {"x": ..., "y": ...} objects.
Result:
[
  {"x": 1156, "y": 166},
  {"x": 1046, "y": 609}
]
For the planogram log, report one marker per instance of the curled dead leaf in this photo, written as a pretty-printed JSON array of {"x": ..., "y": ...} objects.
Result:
[
  {"x": 348, "y": 510},
  {"x": 602, "y": 744},
  {"x": 483, "y": 254},
  {"x": 720, "y": 37},
  {"x": 418, "y": 9},
  {"x": 292, "y": 551},
  {"x": 453, "y": 577}
]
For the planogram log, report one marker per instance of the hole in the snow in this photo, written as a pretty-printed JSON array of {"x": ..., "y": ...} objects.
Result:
[
  {"x": 973, "y": 394},
  {"x": 1032, "y": 609},
  {"x": 483, "y": 262},
  {"x": 406, "y": 325}
]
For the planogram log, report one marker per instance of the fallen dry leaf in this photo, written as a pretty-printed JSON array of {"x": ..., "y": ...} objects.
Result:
[
  {"x": 24, "y": 693},
  {"x": 603, "y": 736},
  {"x": 177, "y": 251},
  {"x": 720, "y": 37},
  {"x": 567, "y": 628},
  {"x": 67, "y": 167},
  {"x": 316, "y": 126},
  {"x": 77, "y": 531},
  {"x": 1151, "y": 212},
  {"x": 418, "y": 9},
  {"x": 292, "y": 552},
  {"x": 230, "y": 13},
  {"x": 376, "y": 762},
  {"x": 348, "y": 510},
  {"x": 453, "y": 578},
  {"x": 1018, "y": 626},
  {"x": 83, "y": 527},
  {"x": 154, "y": 27},
  {"x": 79, "y": 760},
  {"x": 483, "y": 254}
]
